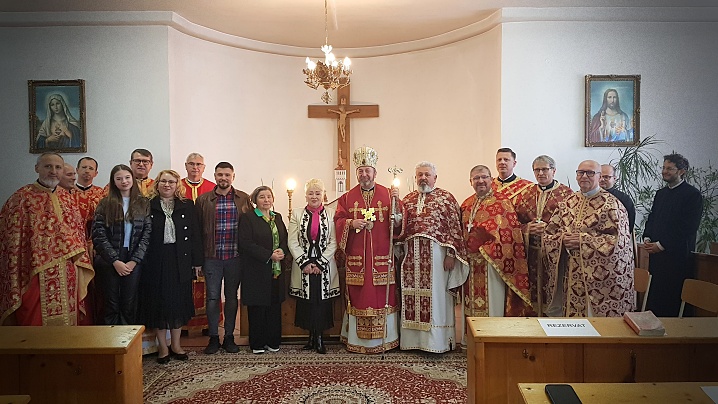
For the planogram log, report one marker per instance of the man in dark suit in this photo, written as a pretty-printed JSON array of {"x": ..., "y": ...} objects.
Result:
[{"x": 608, "y": 182}]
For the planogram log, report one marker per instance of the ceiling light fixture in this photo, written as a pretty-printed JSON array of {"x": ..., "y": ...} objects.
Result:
[{"x": 331, "y": 73}]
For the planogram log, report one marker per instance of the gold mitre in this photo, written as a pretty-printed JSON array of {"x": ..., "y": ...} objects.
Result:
[{"x": 365, "y": 157}]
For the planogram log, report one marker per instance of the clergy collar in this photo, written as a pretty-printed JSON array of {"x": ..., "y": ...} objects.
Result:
[
  {"x": 366, "y": 190},
  {"x": 511, "y": 178},
  {"x": 547, "y": 187},
  {"x": 591, "y": 192},
  {"x": 679, "y": 183},
  {"x": 141, "y": 179},
  {"x": 83, "y": 188},
  {"x": 45, "y": 187},
  {"x": 189, "y": 181}
]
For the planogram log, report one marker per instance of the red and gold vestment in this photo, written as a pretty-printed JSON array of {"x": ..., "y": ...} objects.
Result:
[
  {"x": 44, "y": 265},
  {"x": 494, "y": 242}
]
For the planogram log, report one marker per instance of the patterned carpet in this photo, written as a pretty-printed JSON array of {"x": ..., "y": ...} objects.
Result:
[{"x": 293, "y": 376}]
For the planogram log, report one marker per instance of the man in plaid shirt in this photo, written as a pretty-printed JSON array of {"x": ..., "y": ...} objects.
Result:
[{"x": 220, "y": 211}]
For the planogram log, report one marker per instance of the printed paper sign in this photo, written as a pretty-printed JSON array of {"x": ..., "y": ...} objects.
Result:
[{"x": 580, "y": 327}]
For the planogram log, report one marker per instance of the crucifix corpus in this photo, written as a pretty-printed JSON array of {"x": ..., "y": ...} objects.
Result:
[{"x": 342, "y": 112}]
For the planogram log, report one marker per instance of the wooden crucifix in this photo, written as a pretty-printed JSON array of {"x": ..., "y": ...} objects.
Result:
[{"x": 342, "y": 112}]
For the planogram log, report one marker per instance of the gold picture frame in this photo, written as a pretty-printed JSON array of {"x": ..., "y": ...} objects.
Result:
[
  {"x": 57, "y": 116},
  {"x": 613, "y": 112}
]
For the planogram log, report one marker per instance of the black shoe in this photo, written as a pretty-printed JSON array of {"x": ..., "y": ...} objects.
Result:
[
  {"x": 213, "y": 345},
  {"x": 179, "y": 356},
  {"x": 163, "y": 360},
  {"x": 312, "y": 343},
  {"x": 320, "y": 345},
  {"x": 229, "y": 344}
]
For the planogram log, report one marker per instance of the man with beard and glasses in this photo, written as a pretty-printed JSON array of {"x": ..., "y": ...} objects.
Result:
[
  {"x": 362, "y": 223},
  {"x": 498, "y": 284},
  {"x": 610, "y": 123},
  {"x": 534, "y": 209},
  {"x": 434, "y": 265},
  {"x": 220, "y": 211},
  {"x": 42, "y": 245},
  {"x": 670, "y": 236},
  {"x": 507, "y": 184},
  {"x": 589, "y": 252}
]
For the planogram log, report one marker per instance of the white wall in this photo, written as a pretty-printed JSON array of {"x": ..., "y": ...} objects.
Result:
[
  {"x": 544, "y": 64},
  {"x": 250, "y": 109},
  {"x": 518, "y": 85},
  {"x": 126, "y": 92}
]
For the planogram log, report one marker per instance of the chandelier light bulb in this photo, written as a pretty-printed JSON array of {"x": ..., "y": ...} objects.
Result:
[{"x": 347, "y": 62}]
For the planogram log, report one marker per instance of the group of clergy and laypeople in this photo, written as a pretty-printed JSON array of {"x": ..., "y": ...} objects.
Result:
[
  {"x": 670, "y": 236},
  {"x": 512, "y": 248},
  {"x": 263, "y": 240},
  {"x": 314, "y": 278}
]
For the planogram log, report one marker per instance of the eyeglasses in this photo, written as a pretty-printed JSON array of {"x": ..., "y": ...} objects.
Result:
[
  {"x": 140, "y": 161},
  {"x": 543, "y": 169},
  {"x": 192, "y": 164},
  {"x": 480, "y": 177},
  {"x": 167, "y": 182},
  {"x": 607, "y": 177},
  {"x": 589, "y": 174},
  {"x": 669, "y": 168}
]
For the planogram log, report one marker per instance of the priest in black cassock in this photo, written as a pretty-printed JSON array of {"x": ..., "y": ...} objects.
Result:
[{"x": 670, "y": 236}]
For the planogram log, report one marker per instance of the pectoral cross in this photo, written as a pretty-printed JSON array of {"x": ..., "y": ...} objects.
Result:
[
  {"x": 469, "y": 227},
  {"x": 368, "y": 216},
  {"x": 343, "y": 112}
]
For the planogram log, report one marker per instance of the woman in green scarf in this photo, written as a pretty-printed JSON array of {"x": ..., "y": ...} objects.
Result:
[{"x": 263, "y": 241}]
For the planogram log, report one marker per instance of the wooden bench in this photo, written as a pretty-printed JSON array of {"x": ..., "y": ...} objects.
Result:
[
  {"x": 93, "y": 364},
  {"x": 628, "y": 393},
  {"x": 503, "y": 352}
]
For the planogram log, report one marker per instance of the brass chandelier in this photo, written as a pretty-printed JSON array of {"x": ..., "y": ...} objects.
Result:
[{"x": 331, "y": 73}]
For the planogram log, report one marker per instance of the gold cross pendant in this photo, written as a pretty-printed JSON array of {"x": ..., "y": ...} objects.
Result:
[{"x": 369, "y": 217}]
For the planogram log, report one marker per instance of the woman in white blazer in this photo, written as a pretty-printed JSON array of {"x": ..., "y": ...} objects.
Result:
[{"x": 315, "y": 280}]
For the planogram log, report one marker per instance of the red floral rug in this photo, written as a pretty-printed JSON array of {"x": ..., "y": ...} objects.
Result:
[{"x": 295, "y": 376}]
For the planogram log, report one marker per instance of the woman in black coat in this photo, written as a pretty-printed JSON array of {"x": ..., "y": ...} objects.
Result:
[
  {"x": 174, "y": 257},
  {"x": 263, "y": 241}
]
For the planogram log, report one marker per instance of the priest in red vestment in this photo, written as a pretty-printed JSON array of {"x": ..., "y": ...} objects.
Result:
[
  {"x": 44, "y": 267},
  {"x": 194, "y": 184},
  {"x": 434, "y": 265},
  {"x": 498, "y": 283},
  {"x": 507, "y": 184},
  {"x": 88, "y": 196},
  {"x": 589, "y": 252},
  {"x": 534, "y": 208},
  {"x": 362, "y": 223}
]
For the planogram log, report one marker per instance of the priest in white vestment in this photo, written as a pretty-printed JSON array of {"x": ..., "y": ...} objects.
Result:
[{"x": 434, "y": 265}]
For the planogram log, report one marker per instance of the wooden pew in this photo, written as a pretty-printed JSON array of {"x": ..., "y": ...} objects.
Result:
[
  {"x": 92, "y": 364},
  {"x": 505, "y": 351},
  {"x": 628, "y": 393}
]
